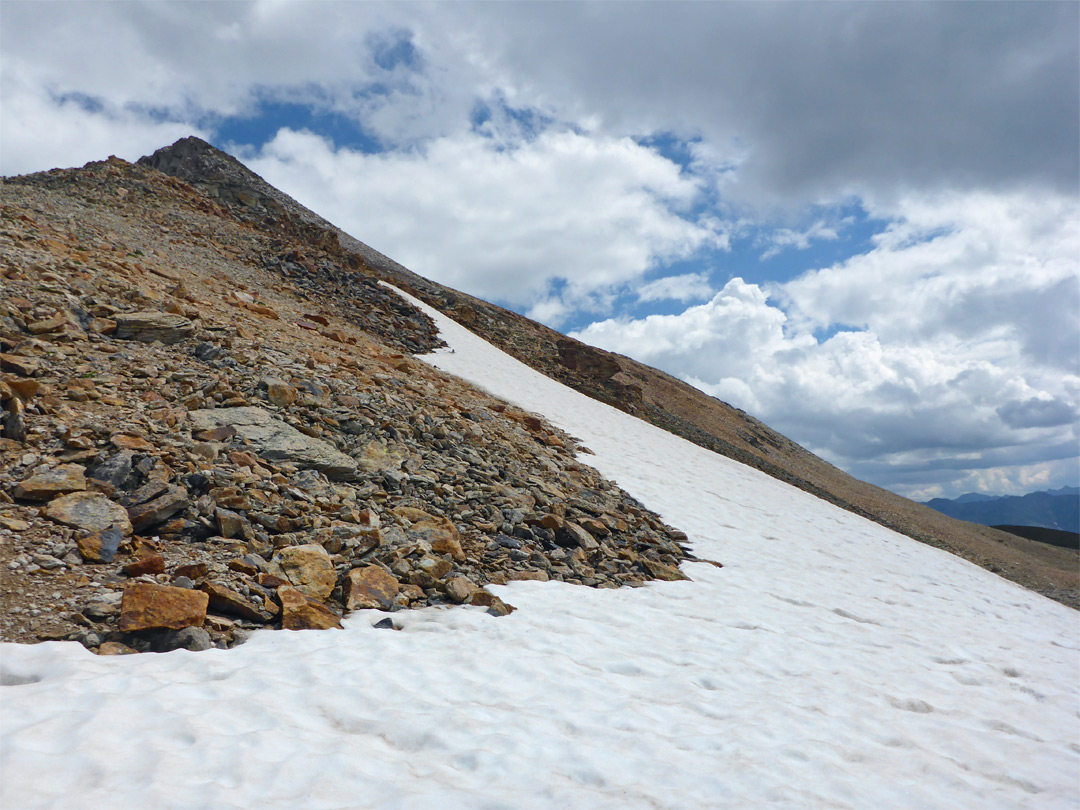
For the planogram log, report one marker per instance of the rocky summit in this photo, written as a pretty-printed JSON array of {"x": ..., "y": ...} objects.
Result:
[
  {"x": 196, "y": 443},
  {"x": 213, "y": 422}
]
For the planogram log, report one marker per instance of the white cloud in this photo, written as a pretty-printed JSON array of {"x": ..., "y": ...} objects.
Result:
[
  {"x": 40, "y": 131},
  {"x": 949, "y": 368},
  {"x": 557, "y": 223},
  {"x": 784, "y": 238},
  {"x": 686, "y": 287}
]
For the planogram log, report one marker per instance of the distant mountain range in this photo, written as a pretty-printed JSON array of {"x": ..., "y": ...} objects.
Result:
[{"x": 1048, "y": 509}]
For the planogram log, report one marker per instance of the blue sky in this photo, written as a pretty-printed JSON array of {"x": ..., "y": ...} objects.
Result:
[{"x": 858, "y": 222}]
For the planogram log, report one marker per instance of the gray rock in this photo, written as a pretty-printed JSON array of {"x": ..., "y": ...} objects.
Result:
[
  {"x": 276, "y": 441},
  {"x": 113, "y": 470},
  {"x": 147, "y": 327},
  {"x": 195, "y": 639}
]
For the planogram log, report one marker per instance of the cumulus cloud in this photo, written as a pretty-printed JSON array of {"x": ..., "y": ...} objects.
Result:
[
  {"x": 554, "y": 224},
  {"x": 914, "y": 375}
]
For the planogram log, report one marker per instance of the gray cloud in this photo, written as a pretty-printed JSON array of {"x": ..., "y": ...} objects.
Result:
[
  {"x": 826, "y": 97},
  {"x": 1035, "y": 412}
]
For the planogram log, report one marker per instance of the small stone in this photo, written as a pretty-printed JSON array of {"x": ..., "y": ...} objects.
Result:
[
  {"x": 280, "y": 393},
  {"x": 230, "y": 524},
  {"x": 145, "y": 606},
  {"x": 309, "y": 569},
  {"x": 91, "y": 511},
  {"x": 371, "y": 587},
  {"x": 527, "y": 576},
  {"x": 129, "y": 441},
  {"x": 191, "y": 570},
  {"x": 101, "y": 546},
  {"x": 14, "y": 524},
  {"x": 150, "y": 564},
  {"x": 459, "y": 589},
  {"x": 47, "y": 485},
  {"x": 659, "y": 570},
  {"x": 115, "y": 648},
  {"x": 299, "y": 612},
  {"x": 195, "y": 639},
  {"x": 440, "y": 533}
]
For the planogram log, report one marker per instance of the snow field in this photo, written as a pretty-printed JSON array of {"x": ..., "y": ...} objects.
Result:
[{"x": 830, "y": 663}]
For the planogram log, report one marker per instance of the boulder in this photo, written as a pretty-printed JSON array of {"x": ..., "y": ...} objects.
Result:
[
  {"x": 147, "y": 327},
  {"x": 276, "y": 441},
  {"x": 309, "y": 569},
  {"x": 370, "y": 587},
  {"x": 145, "y": 607},
  {"x": 91, "y": 511},
  {"x": 298, "y": 612}
]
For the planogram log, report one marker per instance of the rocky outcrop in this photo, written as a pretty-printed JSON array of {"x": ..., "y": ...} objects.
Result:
[
  {"x": 275, "y": 440},
  {"x": 286, "y": 460}
]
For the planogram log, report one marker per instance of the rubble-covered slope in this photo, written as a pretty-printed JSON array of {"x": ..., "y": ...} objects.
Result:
[
  {"x": 620, "y": 381},
  {"x": 211, "y": 424}
]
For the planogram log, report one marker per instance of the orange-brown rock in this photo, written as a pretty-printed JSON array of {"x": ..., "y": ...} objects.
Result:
[
  {"x": 150, "y": 564},
  {"x": 226, "y": 600},
  {"x": 309, "y": 569},
  {"x": 299, "y": 612},
  {"x": 146, "y": 607},
  {"x": 57, "y": 481},
  {"x": 370, "y": 587}
]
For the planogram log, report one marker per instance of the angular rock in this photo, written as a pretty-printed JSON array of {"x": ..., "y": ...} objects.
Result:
[
  {"x": 147, "y": 327},
  {"x": 370, "y": 587},
  {"x": 226, "y": 600},
  {"x": 658, "y": 570},
  {"x": 153, "y": 512},
  {"x": 150, "y": 564},
  {"x": 571, "y": 535},
  {"x": 195, "y": 639},
  {"x": 459, "y": 589},
  {"x": 441, "y": 533},
  {"x": 101, "y": 547},
  {"x": 88, "y": 510},
  {"x": 277, "y": 441},
  {"x": 309, "y": 569},
  {"x": 26, "y": 366},
  {"x": 115, "y": 648},
  {"x": 47, "y": 485},
  {"x": 230, "y": 524},
  {"x": 298, "y": 612},
  {"x": 145, "y": 607},
  {"x": 113, "y": 470},
  {"x": 280, "y": 393}
]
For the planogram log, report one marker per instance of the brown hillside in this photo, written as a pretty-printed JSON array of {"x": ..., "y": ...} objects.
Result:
[{"x": 629, "y": 385}]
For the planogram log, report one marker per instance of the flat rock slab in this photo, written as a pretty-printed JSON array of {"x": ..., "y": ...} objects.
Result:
[
  {"x": 89, "y": 510},
  {"x": 146, "y": 607},
  {"x": 276, "y": 441},
  {"x": 57, "y": 481},
  {"x": 147, "y": 327}
]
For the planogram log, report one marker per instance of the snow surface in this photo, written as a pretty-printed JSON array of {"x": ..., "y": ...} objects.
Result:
[{"x": 830, "y": 663}]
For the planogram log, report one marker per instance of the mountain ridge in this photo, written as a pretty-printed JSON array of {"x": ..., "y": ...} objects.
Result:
[
  {"x": 641, "y": 390},
  {"x": 264, "y": 305}
]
